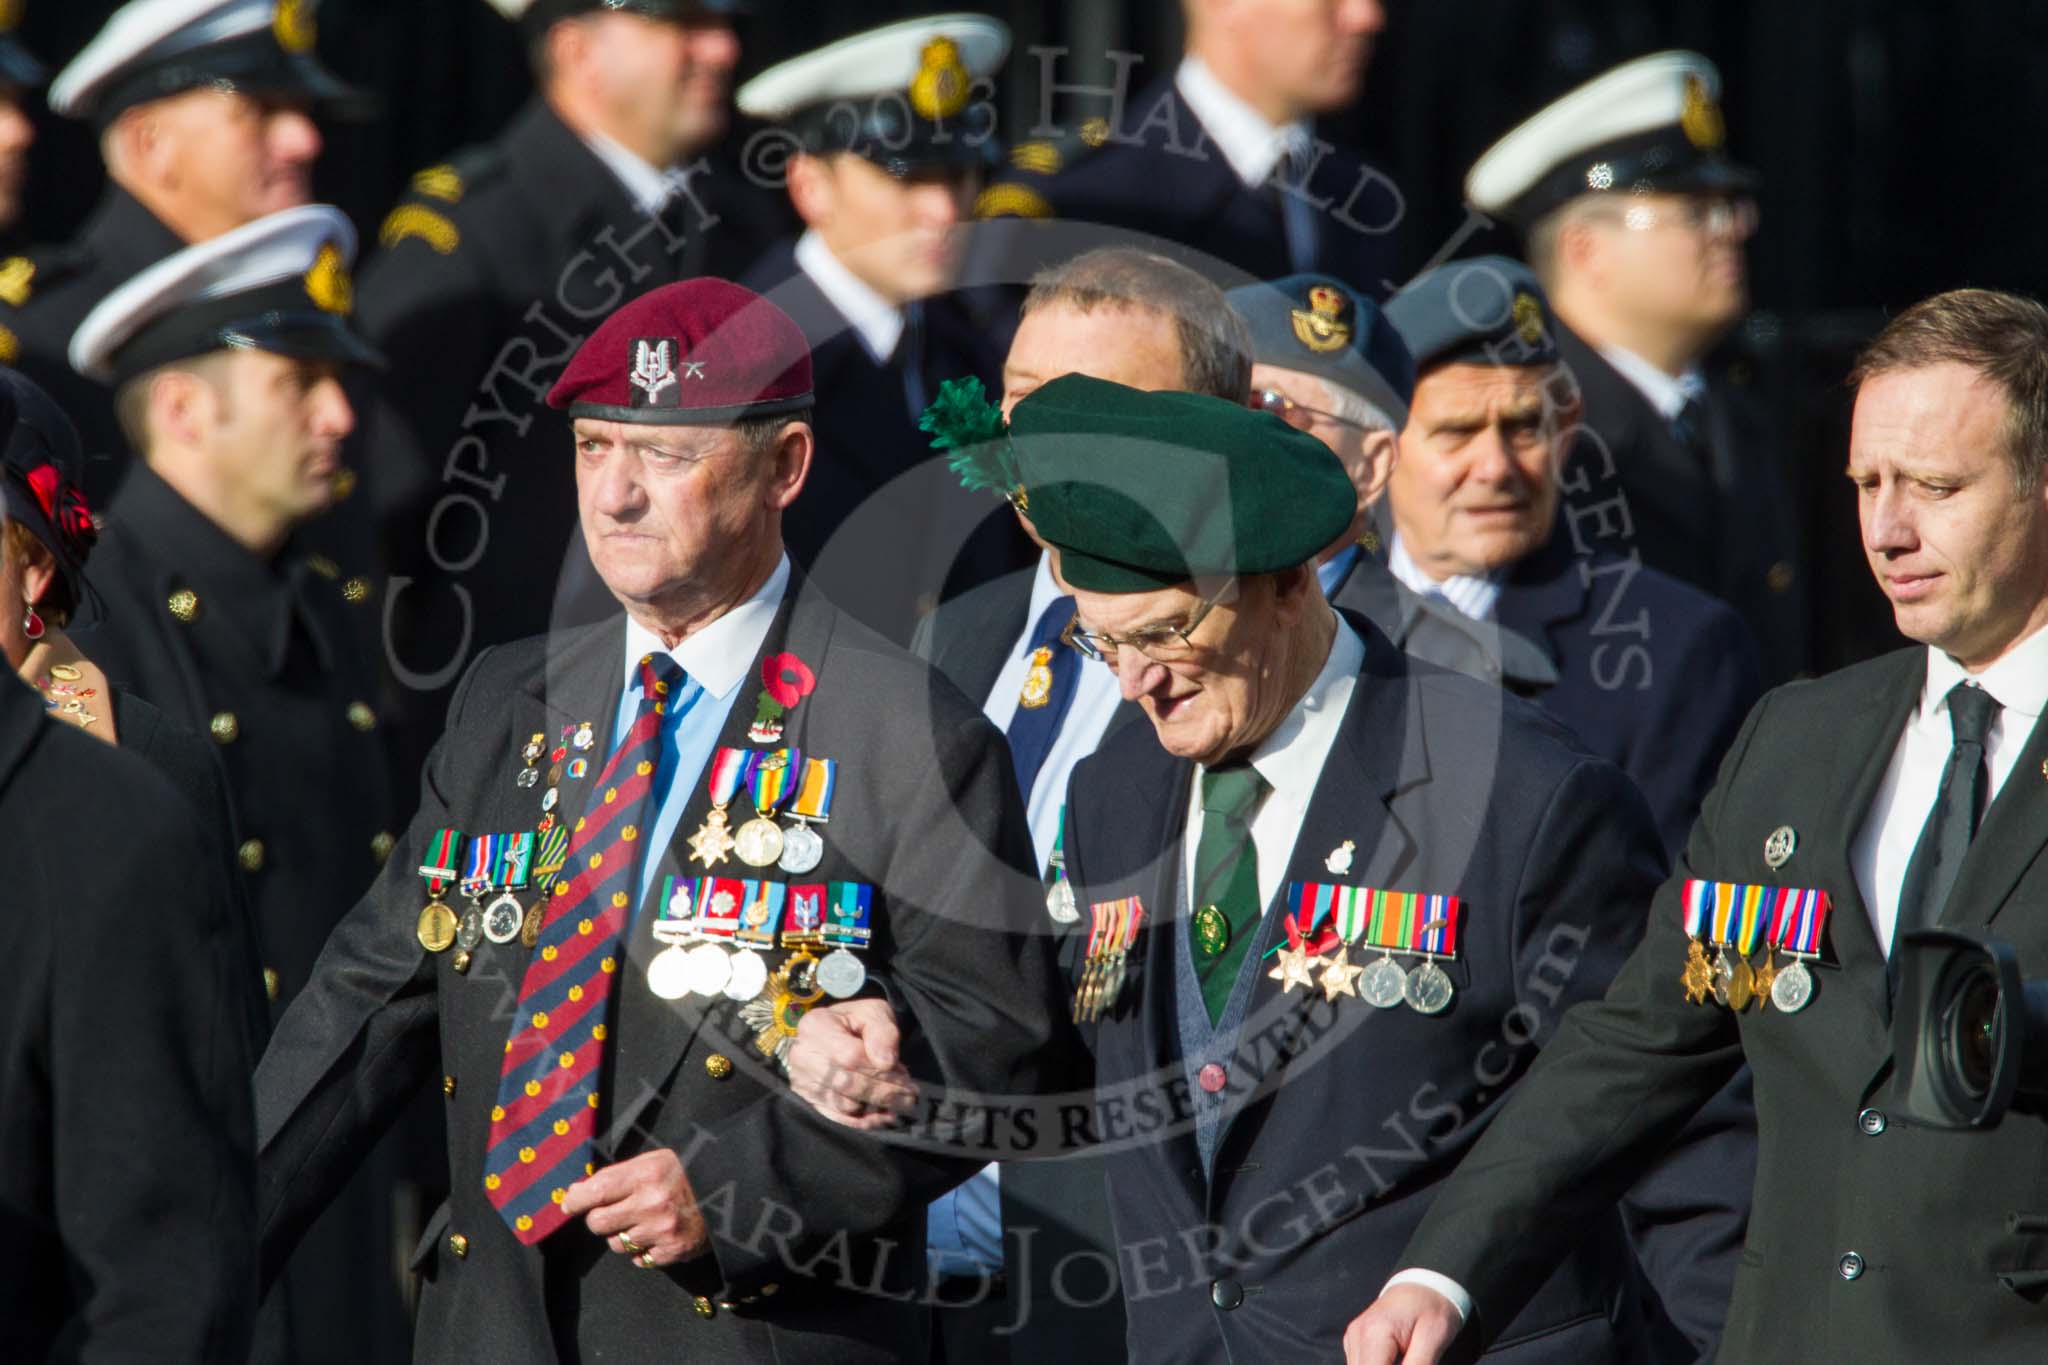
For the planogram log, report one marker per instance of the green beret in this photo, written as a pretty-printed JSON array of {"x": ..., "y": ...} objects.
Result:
[{"x": 1139, "y": 491}]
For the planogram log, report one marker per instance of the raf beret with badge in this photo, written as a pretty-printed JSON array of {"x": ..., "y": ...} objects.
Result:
[
  {"x": 702, "y": 352},
  {"x": 1140, "y": 491},
  {"x": 1317, "y": 325},
  {"x": 280, "y": 284},
  {"x": 909, "y": 96},
  {"x": 1486, "y": 311},
  {"x": 1652, "y": 125},
  {"x": 152, "y": 49}
]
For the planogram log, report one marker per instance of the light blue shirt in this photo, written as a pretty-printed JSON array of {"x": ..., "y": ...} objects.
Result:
[
  {"x": 1331, "y": 574},
  {"x": 714, "y": 661}
]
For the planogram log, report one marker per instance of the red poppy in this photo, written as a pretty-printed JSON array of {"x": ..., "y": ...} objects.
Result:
[
  {"x": 788, "y": 679},
  {"x": 63, "y": 506}
]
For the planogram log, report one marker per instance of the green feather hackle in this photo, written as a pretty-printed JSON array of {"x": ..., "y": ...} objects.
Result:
[{"x": 962, "y": 420}]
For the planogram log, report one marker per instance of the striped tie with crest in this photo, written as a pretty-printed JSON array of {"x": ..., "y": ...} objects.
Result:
[{"x": 545, "y": 1117}]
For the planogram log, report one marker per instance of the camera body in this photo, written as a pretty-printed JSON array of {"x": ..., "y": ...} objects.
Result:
[{"x": 1969, "y": 1033}]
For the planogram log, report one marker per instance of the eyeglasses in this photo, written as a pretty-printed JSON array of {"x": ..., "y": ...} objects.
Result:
[
  {"x": 1161, "y": 644},
  {"x": 1297, "y": 415},
  {"x": 1710, "y": 215}
]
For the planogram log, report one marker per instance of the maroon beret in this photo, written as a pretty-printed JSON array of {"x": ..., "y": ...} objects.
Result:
[{"x": 702, "y": 352}]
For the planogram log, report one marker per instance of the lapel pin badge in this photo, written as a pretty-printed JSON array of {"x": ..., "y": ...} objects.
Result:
[
  {"x": 1778, "y": 849},
  {"x": 1339, "y": 861}
]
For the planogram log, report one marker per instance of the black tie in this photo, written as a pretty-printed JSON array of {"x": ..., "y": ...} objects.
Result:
[
  {"x": 1690, "y": 429},
  {"x": 1958, "y": 806}
]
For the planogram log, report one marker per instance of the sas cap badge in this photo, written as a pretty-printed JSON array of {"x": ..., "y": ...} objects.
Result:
[
  {"x": 654, "y": 372},
  {"x": 1326, "y": 324}
]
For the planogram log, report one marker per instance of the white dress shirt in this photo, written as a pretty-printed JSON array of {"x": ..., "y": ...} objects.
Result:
[
  {"x": 876, "y": 321},
  {"x": 1096, "y": 696},
  {"x": 1667, "y": 392},
  {"x": 715, "y": 659},
  {"x": 1252, "y": 146},
  {"x": 1290, "y": 759},
  {"x": 648, "y": 187},
  {"x": 1476, "y": 595},
  {"x": 2019, "y": 684}
]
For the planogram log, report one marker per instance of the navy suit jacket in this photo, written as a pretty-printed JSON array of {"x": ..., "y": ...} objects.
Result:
[
  {"x": 1651, "y": 674},
  {"x": 1159, "y": 174},
  {"x": 1343, "y": 1120}
]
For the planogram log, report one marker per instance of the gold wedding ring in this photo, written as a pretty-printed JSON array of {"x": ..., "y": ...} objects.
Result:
[
  {"x": 645, "y": 1260},
  {"x": 632, "y": 1247}
]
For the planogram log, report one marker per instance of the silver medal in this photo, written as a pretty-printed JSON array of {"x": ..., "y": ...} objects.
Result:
[
  {"x": 841, "y": 974},
  {"x": 1060, "y": 902},
  {"x": 749, "y": 976},
  {"x": 469, "y": 930},
  {"x": 503, "y": 918},
  {"x": 710, "y": 967},
  {"x": 1383, "y": 984},
  {"x": 1793, "y": 988},
  {"x": 1779, "y": 848},
  {"x": 1429, "y": 989},
  {"x": 802, "y": 850},
  {"x": 527, "y": 777},
  {"x": 668, "y": 976}
]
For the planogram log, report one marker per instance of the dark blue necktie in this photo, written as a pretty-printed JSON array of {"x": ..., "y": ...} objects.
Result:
[{"x": 1033, "y": 728}]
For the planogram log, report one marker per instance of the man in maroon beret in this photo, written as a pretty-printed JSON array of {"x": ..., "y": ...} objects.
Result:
[{"x": 647, "y": 846}]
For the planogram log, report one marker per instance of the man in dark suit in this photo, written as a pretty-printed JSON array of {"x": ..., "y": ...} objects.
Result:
[
  {"x": 126, "y": 1173},
  {"x": 204, "y": 114},
  {"x": 628, "y": 1177},
  {"x": 1636, "y": 220},
  {"x": 1124, "y": 816},
  {"x": 1903, "y": 793},
  {"x": 1218, "y": 164},
  {"x": 1649, "y": 672},
  {"x": 893, "y": 132},
  {"x": 493, "y": 266},
  {"x": 21, "y": 75}
]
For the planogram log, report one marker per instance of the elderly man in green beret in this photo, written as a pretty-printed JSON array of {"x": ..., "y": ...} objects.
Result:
[{"x": 1322, "y": 862}]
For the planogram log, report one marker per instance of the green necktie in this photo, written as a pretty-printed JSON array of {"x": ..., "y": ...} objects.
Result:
[{"x": 1226, "y": 891}]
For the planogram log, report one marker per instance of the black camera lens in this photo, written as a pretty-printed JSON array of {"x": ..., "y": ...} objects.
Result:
[{"x": 1969, "y": 1032}]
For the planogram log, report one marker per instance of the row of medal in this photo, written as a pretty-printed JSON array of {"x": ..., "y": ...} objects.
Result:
[
  {"x": 715, "y": 931},
  {"x": 503, "y": 863},
  {"x": 783, "y": 779},
  {"x": 1405, "y": 922},
  {"x": 1111, "y": 935},
  {"x": 1734, "y": 916}
]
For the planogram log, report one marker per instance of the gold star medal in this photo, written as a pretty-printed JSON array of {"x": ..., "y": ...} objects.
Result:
[{"x": 713, "y": 841}]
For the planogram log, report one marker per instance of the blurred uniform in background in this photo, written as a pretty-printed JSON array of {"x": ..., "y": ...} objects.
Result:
[
  {"x": 21, "y": 75},
  {"x": 891, "y": 133},
  {"x": 226, "y": 361},
  {"x": 1221, "y": 159},
  {"x": 204, "y": 115},
  {"x": 1635, "y": 222},
  {"x": 493, "y": 267}
]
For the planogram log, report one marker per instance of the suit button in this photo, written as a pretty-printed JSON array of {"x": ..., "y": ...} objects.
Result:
[
  {"x": 1871, "y": 1121},
  {"x": 361, "y": 716},
  {"x": 381, "y": 844},
  {"x": 448, "y": 1086},
  {"x": 704, "y": 1307},
  {"x": 1226, "y": 1294},
  {"x": 271, "y": 982},
  {"x": 1780, "y": 576},
  {"x": 718, "y": 1066},
  {"x": 184, "y": 604},
  {"x": 458, "y": 1244},
  {"x": 224, "y": 727},
  {"x": 250, "y": 855},
  {"x": 1851, "y": 1265},
  {"x": 356, "y": 590}
]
